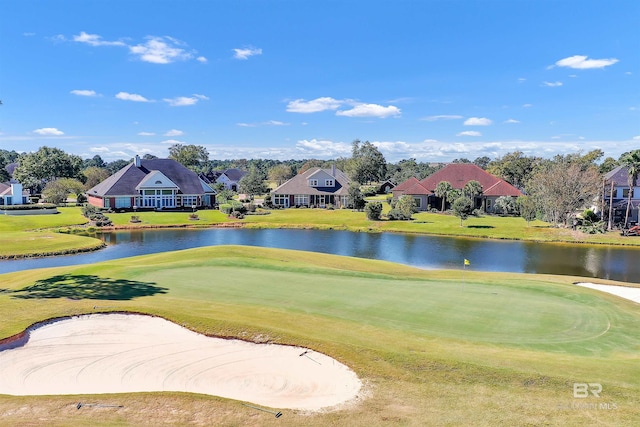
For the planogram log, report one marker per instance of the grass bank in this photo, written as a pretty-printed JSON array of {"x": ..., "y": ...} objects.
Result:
[{"x": 498, "y": 349}]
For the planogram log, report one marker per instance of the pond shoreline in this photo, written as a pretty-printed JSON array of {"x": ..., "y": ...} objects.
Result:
[{"x": 264, "y": 226}]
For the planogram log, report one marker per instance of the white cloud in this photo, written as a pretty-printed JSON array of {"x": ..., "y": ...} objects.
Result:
[
  {"x": 477, "y": 121},
  {"x": 161, "y": 50},
  {"x": 99, "y": 149},
  {"x": 28, "y": 34},
  {"x": 370, "y": 110},
  {"x": 48, "y": 132},
  {"x": 522, "y": 80},
  {"x": 84, "y": 92},
  {"x": 512, "y": 121},
  {"x": 442, "y": 117},
  {"x": 582, "y": 63},
  {"x": 146, "y": 133},
  {"x": 201, "y": 59},
  {"x": 95, "y": 40},
  {"x": 182, "y": 101},
  {"x": 527, "y": 105},
  {"x": 246, "y": 52},
  {"x": 171, "y": 141},
  {"x": 313, "y": 106},
  {"x": 323, "y": 148},
  {"x": 126, "y": 96},
  {"x": 469, "y": 133},
  {"x": 267, "y": 123},
  {"x": 636, "y": 138},
  {"x": 275, "y": 123},
  {"x": 552, "y": 84},
  {"x": 174, "y": 132}
]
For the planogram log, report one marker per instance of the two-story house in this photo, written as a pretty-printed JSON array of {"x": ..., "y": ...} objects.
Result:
[
  {"x": 618, "y": 180},
  {"x": 315, "y": 187}
]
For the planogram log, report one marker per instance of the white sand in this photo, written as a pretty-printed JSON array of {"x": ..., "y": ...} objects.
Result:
[
  {"x": 632, "y": 294},
  {"x": 114, "y": 353}
]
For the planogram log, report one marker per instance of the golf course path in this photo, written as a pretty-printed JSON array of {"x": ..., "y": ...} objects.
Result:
[
  {"x": 629, "y": 293},
  {"x": 116, "y": 353}
]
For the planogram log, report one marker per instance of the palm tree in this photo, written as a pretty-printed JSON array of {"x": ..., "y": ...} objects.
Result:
[
  {"x": 442, "y": 190},
  {"x": 631, "y": 161},
  {"x": 472, "y": 189}
]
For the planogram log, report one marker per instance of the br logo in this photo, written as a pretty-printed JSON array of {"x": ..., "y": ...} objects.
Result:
[{"x": 582, "y": 390}]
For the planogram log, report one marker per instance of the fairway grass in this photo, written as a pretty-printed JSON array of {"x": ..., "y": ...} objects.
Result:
[{"x": 430, "y": 348}]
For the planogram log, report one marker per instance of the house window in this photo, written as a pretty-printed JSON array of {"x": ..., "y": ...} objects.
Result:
[
  {"x": 189, "y": 200},
  {"x": 313, "y": 182},
  {"x": 328, "y": 183},
  {"x": 625, "y": 193},
  {"x": 301, "y": 200},
  {"x": 280, "y": 199},
  {"x": 489, "y": 204},
  {"x": 123, "y": 202},
  {"x": 417, "y": 201},
  {"x": 158, "y": 182}
]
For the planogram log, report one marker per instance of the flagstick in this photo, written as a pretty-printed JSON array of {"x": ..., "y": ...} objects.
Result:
[{"x": 464, "y": 267}]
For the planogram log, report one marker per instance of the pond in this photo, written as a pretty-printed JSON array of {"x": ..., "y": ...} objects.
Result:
[{"x": 429, "y": 252}]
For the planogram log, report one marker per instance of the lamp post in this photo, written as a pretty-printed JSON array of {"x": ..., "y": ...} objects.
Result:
[{"x": 193, "y": 207}]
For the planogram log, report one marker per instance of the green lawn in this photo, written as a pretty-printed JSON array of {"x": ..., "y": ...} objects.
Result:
[{"x": 496, "y": 349}]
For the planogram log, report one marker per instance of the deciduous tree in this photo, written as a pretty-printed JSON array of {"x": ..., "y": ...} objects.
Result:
[
  {"x": 191, "y": 156},
  {"x": 37, "y": 168},
  {"x": 561, "y": 189}
]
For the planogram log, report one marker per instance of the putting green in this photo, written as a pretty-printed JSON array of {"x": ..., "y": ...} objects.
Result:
[{"x": 500, "y": 313}]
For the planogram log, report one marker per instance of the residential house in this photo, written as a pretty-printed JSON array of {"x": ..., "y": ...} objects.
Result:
[
  {"x": 618, "y": 180},
  {"x": 386, "y": 187},
  {"x": 456, "y": 174},
  {"x": 230, "y": 178},
  {"x": 11, "y": 193},
  {"x": 152, "y": 184},
  {"x": 315, "y": 187}
]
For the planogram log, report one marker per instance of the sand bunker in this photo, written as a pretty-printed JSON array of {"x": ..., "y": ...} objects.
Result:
[
  {"x": 632, "y": 294},
  {"x": 115, "y": 353}
]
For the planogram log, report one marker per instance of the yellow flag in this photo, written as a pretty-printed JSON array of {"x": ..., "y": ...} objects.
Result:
[{"x": 466, "y": 262}]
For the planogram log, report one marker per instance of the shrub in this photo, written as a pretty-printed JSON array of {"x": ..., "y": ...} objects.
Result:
[
  {"x": 369, "y": 191},
  {"x": 193, "y": 216},
  {"x": 237, "y": 215},
  {"x": 373, "y": 210},
  {"x": 226, "y": 208},
  {"x": 134, "y": 218},
  {"x": 397, "y": 214}
]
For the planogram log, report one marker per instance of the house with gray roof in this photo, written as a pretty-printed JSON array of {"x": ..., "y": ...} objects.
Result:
[
  {"x": 315, "y": 187},
  {"x": 230, "y": 178},
  {"x": 616, "y": 193},
  {"x": 12, "y": 193},
  {"x": 152, "y": 184}
]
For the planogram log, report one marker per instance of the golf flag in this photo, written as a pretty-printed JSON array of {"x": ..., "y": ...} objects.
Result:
[{"x": 466, "y": 262}]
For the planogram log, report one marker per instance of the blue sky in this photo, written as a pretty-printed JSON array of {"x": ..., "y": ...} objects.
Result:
[{"x": 433, "y": 80}]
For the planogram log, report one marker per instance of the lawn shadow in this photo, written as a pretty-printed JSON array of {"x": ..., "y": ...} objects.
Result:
[
  {"x": 480, "y": 226},
  {"x": 85, "y": 286}
]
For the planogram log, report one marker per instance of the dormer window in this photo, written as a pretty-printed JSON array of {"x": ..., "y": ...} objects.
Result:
[
  {"x": 328, "y": 183},
  {"x": 313, "y": 182},
  {"x": 158, "y": 182}
]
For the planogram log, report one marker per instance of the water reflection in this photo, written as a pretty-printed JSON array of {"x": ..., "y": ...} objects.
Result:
[{"x": 617, "y": 263}]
